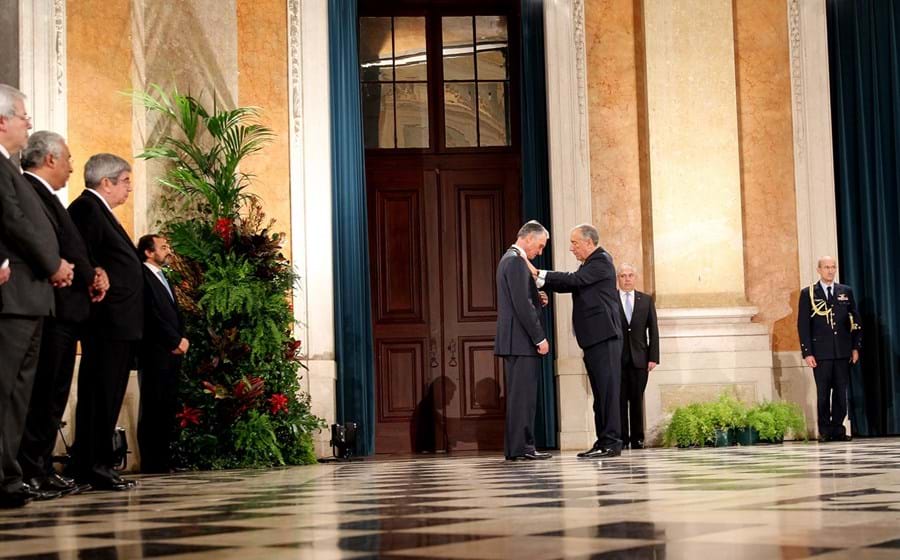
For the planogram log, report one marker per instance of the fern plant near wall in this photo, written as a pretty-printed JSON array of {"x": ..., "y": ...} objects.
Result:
[{"x": 240, "y": 403}]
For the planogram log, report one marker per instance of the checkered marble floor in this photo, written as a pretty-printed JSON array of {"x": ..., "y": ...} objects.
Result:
[{"x": 792, "y": 501}]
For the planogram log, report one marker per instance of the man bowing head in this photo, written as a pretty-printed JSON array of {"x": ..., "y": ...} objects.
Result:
[{"x": 521, "y": 340}]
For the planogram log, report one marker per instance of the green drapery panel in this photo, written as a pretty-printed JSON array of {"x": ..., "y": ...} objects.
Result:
[
  {"x": 536, "y": 190},
  {"x": 864, "y": 64},
  {"x": 352, "y": 310}
]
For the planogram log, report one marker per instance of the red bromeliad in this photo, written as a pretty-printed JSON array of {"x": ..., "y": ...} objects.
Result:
[
  {"x": 277, "y": 403},
  {"x": 188, "y": 416}
]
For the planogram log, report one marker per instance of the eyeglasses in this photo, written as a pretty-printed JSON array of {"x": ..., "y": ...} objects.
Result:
[{"x": 25, "y": 117}]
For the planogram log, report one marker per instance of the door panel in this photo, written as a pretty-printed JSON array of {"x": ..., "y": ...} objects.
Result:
[
  {"x": 478, "y": 217},
  {"x": 402, "y": 234}
]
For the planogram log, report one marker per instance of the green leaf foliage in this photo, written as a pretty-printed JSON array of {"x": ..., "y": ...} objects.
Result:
[
  {"x": 695, "y": 424},
  {"x": 240, "y": 398}
]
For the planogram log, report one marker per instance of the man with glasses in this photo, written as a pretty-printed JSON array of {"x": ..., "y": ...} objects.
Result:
[
  {"x": 115, "y": 327},
  {"x": 31, "y": 258}
]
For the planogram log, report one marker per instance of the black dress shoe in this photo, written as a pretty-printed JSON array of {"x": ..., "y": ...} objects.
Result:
[
  {"x": 602, "y": 453},
  {"x": 64, "y": 485},
  {"x": 844, "y": 437},
  {"x": 639, "y": 444},
  {"x": 13, "y": 500},
  {"x": 589, "y": 451},
  {"x": 62, "y": 479},
  {"x": 40, "y": 495},
  {"x": 537, "y": 456},
  {"x": 103, "y": 483}
]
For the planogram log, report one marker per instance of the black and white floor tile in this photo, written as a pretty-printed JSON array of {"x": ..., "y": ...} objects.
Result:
[{"x": 800, "y": 500}]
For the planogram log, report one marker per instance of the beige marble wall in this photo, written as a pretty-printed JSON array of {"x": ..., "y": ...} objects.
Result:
[
  {"x": 767, "y": 166},
  {"x": 616, "y": 108},
  {"x": 693, "y": 153},
  {"x": 262, "y": 52},
  {"x": 99, "y": 59},
  {"x": 116, "y": 46},
  {"x": 189, "y": 45}
]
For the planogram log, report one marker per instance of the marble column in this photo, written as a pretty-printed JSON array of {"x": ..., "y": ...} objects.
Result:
[
  {"x": 311, "y": 249},
  {"x": 42, "y": 65},
  {"x": 708, "y": 342},
  {"x": 570, "y": 192},
  {"x": 813, "y": 174},
  {"x": 9, "y": 42}
]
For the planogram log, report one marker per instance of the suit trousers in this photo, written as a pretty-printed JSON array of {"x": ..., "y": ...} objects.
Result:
[
  {"x": 102, "y": 382},
  {"x": 631, "y": 403},
  {"x": 20, "y": 344},
  {"x": 52, "y": 383},
  {"x": 832, "y": 383},
  {"x": 158, "y": 378},
  {"x": 604, "y": 368},
  {"x": 522, "y": 374}
]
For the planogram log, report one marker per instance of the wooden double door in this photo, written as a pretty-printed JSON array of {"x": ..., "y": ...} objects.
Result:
[{"x": 438, "y": 227}]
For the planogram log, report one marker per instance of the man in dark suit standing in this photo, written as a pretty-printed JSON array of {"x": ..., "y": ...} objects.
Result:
[
  {"x": 640, "y": 354},
  {"x": 595, "y": 316},
  {"x": 28, "y": 241},
  {"x": 114, "y": 330},
  {"x": 162, "y": 349},
  {"x": 47, "y": 164},
  {"x": 830, "y": 340},
  {"x": 521, "y": 340}
]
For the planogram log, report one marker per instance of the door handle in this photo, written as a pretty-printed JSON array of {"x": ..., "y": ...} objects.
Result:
[
  {"x": 452, "y": 349},
  {"x": 434, "y": 362}
]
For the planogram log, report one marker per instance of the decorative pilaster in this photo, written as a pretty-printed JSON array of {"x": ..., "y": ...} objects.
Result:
[
  {"x": 813, "y": 149},
  {"x": 42, "y": 64},
  {"x": 570, "y": 191},
  {"x": 311, "y": 249},
  {"x": 813, "y": 174}
]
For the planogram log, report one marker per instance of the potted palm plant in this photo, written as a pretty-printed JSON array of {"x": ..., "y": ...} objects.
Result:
[{"x": 240, "y": 398}]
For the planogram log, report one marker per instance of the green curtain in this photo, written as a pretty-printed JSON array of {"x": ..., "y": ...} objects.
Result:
[
  {"x": 536, "y": 190},
  {"x": 352, "y": 310},
  {"x": 864, "y": 64}
]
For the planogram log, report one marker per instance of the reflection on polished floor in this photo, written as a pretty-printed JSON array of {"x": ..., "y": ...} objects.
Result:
[{"x": 827, "y": 501}]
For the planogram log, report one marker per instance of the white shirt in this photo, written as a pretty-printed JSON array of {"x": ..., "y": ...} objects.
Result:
[
  {"x": 43, "y": 182},
  {"x": 622, "y": 297},
  {"x": 98, "y": 195},
  {"x": 4, "y": 151},
  {"x": 156, "y": 272},
  {"x": 826, "y": 286}
]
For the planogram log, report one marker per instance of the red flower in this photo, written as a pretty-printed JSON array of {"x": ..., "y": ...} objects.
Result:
[
  {"x": 188, "y": 416},
  {"x": 217, "y": 391},
  {"x": 277, "y": 403},
  {"x": 223, "y": 229},
  {"x": 293, "y": 351}
]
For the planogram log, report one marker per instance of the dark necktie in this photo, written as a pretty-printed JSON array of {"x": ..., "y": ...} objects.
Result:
[{"x": 828, "y": 296}]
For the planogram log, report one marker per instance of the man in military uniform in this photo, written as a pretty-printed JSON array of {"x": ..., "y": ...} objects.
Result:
[{"x": 830, "y": 339}]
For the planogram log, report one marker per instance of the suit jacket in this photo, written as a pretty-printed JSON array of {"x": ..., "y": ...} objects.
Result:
[
  {"x": 519, "y": 328},
  {"x": 822, "y": 337},
  {"x": 641, "y": 343},
  {"x": 595, "y": 310},
  {"x": 120, "y": 316},
  {"x": 28, "y": 240},
  {"x": 163, "y": 324},
  {"x": 73, "y": 303}
]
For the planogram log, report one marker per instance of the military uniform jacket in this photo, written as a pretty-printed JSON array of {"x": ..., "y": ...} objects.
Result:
[{"x": 828, "y": 331}]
